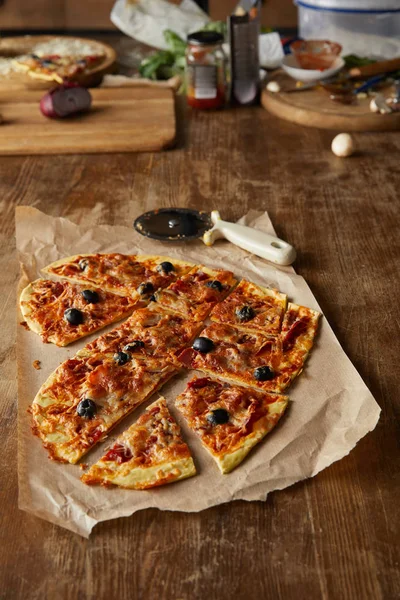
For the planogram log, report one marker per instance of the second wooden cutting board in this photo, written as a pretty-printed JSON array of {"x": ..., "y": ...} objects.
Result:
[
  {"x": 121, "y": 120},
  {"x": 314, "y": 108}
]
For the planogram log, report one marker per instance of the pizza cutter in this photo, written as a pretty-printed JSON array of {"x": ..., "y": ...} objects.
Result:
[{"x": 182, "y": 224}]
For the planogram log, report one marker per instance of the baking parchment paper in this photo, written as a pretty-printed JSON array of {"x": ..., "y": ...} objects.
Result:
[{"x": 330, "y": 408}]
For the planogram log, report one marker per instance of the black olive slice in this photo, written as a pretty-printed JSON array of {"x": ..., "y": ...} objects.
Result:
[
  {"x": 165, "y": 267},
  {"x": 86, "y": 408},
  {"x": 246, "y": 313},
  {"x": 90, "y": 296},
  {"x": 264, "y": 373},
  {"x": 133, "y": 346},
  {"x": 218, "y": 416},
  {"x": 215, "y": 285},
  {"x": 145, "y": 289},
  {"x": 203, "y": 345},
  {"x": 73, "y": 316},
  {"x": 121, "y": 358}
]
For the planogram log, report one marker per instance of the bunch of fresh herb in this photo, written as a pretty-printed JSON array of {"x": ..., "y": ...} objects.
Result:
[
  {"x": 352, "y": 60},
  {"x": 167, "y": 63}
]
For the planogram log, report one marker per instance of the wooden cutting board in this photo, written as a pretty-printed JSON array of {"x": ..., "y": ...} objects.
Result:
[
  {"x": 314, "y": 108},
  {"x": 120, "y": 120}
]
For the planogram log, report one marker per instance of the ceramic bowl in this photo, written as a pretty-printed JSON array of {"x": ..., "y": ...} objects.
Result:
[{"x": 315, "y": 54}]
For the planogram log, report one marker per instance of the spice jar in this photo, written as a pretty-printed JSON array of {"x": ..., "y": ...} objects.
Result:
[{"x": 205, "y": 70}]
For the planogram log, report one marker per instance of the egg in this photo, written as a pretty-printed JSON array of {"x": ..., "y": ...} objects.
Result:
[{"x": 343, "y": 145}]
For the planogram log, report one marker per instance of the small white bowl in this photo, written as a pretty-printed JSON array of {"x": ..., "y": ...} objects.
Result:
[{"x": 291, "y": 67}]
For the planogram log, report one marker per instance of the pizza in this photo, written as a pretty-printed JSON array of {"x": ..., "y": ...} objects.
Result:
[
  {"x": 88, "y": 395},
  {"x": 230, "y": 420},
  {"x": 251, "y": 350},
  {"x": 298, "y": 331},
  {"x": 150, "y": 331},
  {"x": 54, "y": 67},
  {"x": 193, "y": 295},
  {"x": 61, "y": 312},
  {"x": 148, "y": 454},
  {"x": 252, "y": 308},
  {"x": 266, "y": 362},
  {"x": 128, "y": 275}
]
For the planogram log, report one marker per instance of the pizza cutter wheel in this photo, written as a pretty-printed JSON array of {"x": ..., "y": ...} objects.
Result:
[{"x": 182, "y": 224}]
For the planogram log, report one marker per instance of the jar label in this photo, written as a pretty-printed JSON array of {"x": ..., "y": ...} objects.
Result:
[{"x": 204, "y": 81}]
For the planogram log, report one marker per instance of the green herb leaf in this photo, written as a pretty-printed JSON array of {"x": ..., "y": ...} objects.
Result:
[
  {"x": 150, "y": 67},
  {"x": 175, "y": 43},
  {"x": 352, "y": 60}
]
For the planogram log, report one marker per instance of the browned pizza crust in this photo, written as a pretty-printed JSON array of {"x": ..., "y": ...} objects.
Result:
[
  {"x": 230, "y": 420},
  {"x": 148, "y": 454}
]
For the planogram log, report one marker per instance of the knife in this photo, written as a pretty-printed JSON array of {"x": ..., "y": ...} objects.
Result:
[
  {"x": 338, "y": 80},
  {"x": 380, "y": 67}
]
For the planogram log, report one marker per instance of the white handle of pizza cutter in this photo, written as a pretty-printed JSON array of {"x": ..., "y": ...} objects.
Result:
[{"x": 255, "y": 241}]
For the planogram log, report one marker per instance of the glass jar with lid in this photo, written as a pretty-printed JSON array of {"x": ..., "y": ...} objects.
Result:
[{"x": 205, "y": 70}]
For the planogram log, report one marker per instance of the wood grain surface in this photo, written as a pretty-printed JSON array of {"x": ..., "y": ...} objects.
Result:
[
  {"x": 335, "y": 536},
  {"x": 314, "y": 108},
  {"x": 120, "y": 120}
]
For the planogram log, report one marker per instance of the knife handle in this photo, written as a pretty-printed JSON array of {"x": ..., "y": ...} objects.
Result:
[
  {"x": 384, "y": 66},
  {"x": 258, "y": 242}
]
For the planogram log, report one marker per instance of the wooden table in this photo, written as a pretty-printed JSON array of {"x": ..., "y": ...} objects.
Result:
[{"x": 331, "y": 537}]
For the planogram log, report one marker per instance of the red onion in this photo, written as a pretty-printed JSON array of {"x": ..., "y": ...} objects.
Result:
[{"x": 67, "y": 99}]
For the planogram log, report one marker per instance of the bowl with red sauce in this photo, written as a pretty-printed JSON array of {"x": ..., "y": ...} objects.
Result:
[{"x": 315, "y": 54}]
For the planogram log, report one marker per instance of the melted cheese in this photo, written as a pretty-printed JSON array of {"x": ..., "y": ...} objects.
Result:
[
  {"x": 148, "y": 454},
  {"x": 116, "y": 390},
  {"x": 267, "y": 305},
  {"x": 161, "y": 334},
  {"x": 191, "y": 296},
  {"x": 43, "y": 304},
  {"x": 118, "y": 273},
  {"x": 252, "y": 415}
]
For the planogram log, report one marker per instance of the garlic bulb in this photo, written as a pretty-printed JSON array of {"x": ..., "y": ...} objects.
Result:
[
  {"x": 343, "y": 145},
  {"x": 274, "y": 87}
]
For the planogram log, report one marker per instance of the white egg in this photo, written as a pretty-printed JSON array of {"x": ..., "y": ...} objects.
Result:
[
  {"x": 274, "y": 87},
  {"x": 343, "y": 145}
]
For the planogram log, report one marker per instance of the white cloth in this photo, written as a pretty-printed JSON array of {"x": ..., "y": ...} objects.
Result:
[{"x": 146, "y": 20}]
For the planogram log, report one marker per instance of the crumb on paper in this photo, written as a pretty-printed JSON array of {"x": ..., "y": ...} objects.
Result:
[
  {"x": 25, "y": 325},
  {"x": 83, "y": 466},
  {"x": 36, "y": 365}
]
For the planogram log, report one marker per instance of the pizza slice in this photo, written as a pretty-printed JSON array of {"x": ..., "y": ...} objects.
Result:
[
  {"x": 88, "y": 395},
  {"x": 265, "y": 362},
  {"x": 54, "y": 67},
  {"x": 299, "y": 328},
  {"x": 150, "y": 331},
  {"x": 230, "y": 420},
  {"x": 124, "y": 274},
  {"x": 148, "y": 454},
  {"x": 61, "y": 312},
  {"x": 252, "y": 308},
  {"x": 237, "y": 356},
  {"x": 193, "y": 295}
]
